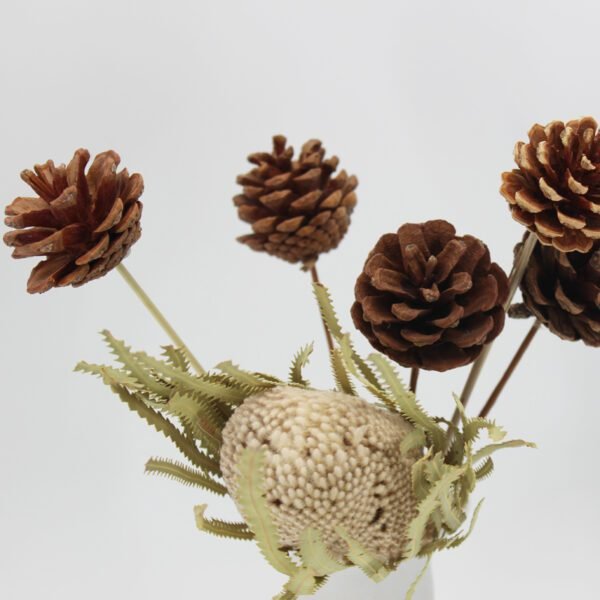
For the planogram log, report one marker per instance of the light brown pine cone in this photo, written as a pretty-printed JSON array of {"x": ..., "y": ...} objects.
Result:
[
  {"x": 428, "y": 298},
  {"x": 555, "y": 191},
  {"x": 297, "y": 209},
  {"x": 84, "y": 224},
  {"x": 563, "y": 292}
]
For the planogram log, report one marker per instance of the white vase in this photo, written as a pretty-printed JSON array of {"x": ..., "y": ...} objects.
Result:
[{"x": 353, "y": 584}]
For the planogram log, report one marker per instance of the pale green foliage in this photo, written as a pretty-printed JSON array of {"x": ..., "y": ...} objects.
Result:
[
  {"x": 191, "y": 410},
  {"x": 184, "y": 474},
  {"x": 237, "y": 531},
  {"x": 413, "y": 586},
  {"x": 300, "y": 361}
]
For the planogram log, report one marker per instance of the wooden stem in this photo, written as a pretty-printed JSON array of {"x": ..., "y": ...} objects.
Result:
[
  {"x": 315, "y": 277},
  {"x": 160, "y": 318},
  {"x": 414, "y": 378},
  {"x": 515, "y": 278},
  {"x": 485, "y": 411}
]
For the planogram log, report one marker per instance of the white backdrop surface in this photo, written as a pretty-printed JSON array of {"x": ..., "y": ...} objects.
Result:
[{"x": 424, "y": 102}]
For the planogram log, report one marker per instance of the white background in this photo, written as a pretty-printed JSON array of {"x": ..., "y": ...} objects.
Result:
[{"x": 424, "y": 102}]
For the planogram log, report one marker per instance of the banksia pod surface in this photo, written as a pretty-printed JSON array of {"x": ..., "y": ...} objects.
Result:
[
  {"x": 331, "y": 460},
  {"x": 428, "y": 298},
  {"x": 297, "y": 208},
  {"x": 555, "y": 191},
  {"x": 563, "y": 292},
  {"x": 83, "y": 223}
]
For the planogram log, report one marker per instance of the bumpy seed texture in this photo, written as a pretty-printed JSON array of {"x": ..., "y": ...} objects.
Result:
[
  {"x": 428, "y": 298},
  {"x": 555, "y": 191},
  {"x": 297, "y": 209},
  {"x": 563, "y": 292},
  {"x": 331, "y": 460},
  {"x": 83, "y": 223}
]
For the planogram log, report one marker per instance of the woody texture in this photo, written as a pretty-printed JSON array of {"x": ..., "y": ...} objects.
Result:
[
  {"x": 82, "y": 223},
  {"x": 563, "y": 292},
  {"x": 297, "y": 208},
  {"x": 555, "y": 191},
  {"x": 428, "y": 298}
]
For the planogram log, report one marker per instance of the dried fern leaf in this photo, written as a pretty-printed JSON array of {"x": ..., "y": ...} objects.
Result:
[
  {"x": 124, "y": 355},
  {"x": 315, "y": 554},
  {"x": 177, "y": 358},
  {"x": 300, "y": 361},
  {"x": 170, "y": 431},
  {"x": 340, "y": 373},
  {"x": 413, "y": 586},
  {"x": 407, "y": 402},
  {"x": 236, "y": 531},
  {"x": 491, "y": 448},
  {"x": 333, "y": 325},
  {"x": 250, "y": 499},
  {"x": 252, "y": 381},
  {"x": 184, "y": 474},
  {"x": 485, "y": 469},
  {"x": 370, "y": 564},
  {"x": 203, "y": 420},
  {"x": 109, "y": 375}
]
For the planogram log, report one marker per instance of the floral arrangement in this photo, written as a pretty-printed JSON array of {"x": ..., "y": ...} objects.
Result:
[{"x": 325, "y": 480}]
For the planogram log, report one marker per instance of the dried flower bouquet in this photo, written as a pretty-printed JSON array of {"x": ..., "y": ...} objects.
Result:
[{"x": 323, "y": 479}]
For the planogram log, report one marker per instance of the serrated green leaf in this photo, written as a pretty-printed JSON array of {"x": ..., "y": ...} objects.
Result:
[
  {"x": 302, "y": 583},
  {"x": 485, "y": 469},
  {"x": 237, "y": 531},
  {"x": 184, "y": 474},
  {"x": 109, "y": 375},
  {"x": 413, "y": 586},
  {"x": 124, "y": 355},
  {"x": 413, "y": 440},
  {"x": 170, "y": 431},
  {"x": 372, "y": 565},
  {"x": 177, "y": 358},
  {"x": 474, "y": 426},
  {"x": 407, "y": 402},
  {"x": 420, "y": 484},
  {"x": 252, "y": 381},
  {"x": 250, "y": 499},
  {"x": 340, "y": 373},
  {"x": 315, "y": 554},
  {"x": 491, "y": 448},
  {"x": 300, "y": 361}
]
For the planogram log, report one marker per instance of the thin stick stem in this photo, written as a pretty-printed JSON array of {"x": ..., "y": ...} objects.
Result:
[
  {"x": 414, "y": 378},
  {"x": 510, "y": 370},
  {"x": 160, "y": 318},
  {"x": 315, "y": 277},
  {"x": 515, "y": 278}
]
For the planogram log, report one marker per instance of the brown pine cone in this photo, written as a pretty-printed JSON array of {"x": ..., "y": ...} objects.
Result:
[
  {"x": 84, "y": 224},
  {"x": 563, "y": 292},
  {"x": 428, "y": 298},
  {"x": 296, "y": 208},
  {"x": 555, "y": 191}
]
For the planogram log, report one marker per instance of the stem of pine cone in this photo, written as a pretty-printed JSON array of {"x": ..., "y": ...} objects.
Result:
[
  {"x": 485, "y": 411},
  {"x": 315, "y": 277},
  {"x": 414, "y": 378},
  {"x": 160, "y": 318},
  {"x": 515, "y": 278}
]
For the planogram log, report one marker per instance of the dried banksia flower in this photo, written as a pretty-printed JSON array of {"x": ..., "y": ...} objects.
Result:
[
  {"x": 297, "y": 208},
  {"x": 563, "y": 292},
  {"x": 83, "y": 223},
  {"x": 555, "y": 191},
  {"x": 428, "y": 298},
  {"x": 331, "y": 460}
]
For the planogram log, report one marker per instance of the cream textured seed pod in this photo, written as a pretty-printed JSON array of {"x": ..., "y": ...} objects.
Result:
[{"x": 331, "y": 460}]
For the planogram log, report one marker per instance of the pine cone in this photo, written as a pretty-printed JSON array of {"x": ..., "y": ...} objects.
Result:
[
  {"x": 296, "y": 208},
  {"x": 563, "y": 292},
  {"x": 331, "y": 460},
  {"x": 428, "y": 298},
  {"x": 84, "y": 224},
  {"x": 555, "y": 191}
]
